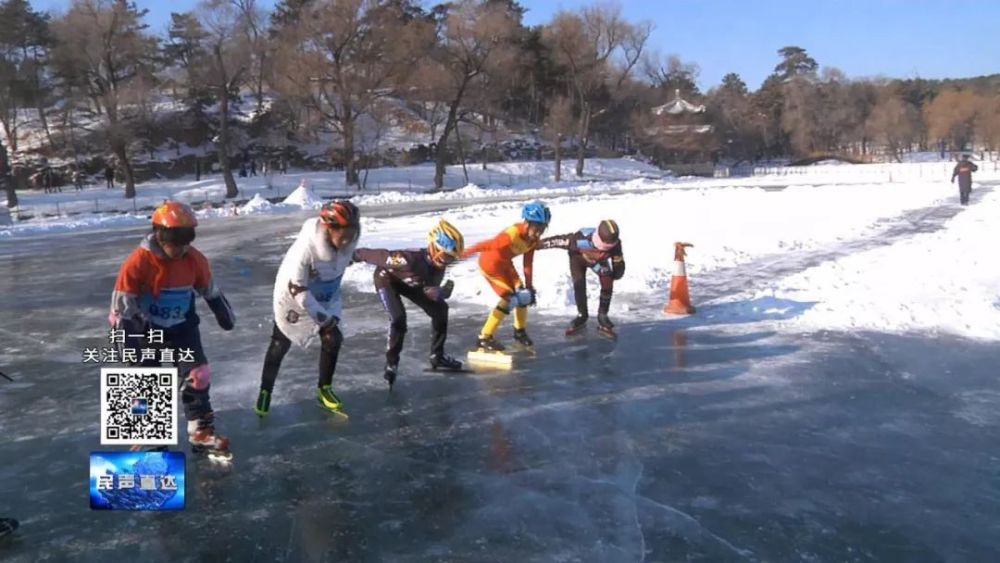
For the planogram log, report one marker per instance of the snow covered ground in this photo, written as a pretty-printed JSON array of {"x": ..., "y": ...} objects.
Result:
[
  {"x": 388, "y": 184},
  {"x": 932, "y": 281},
  {"x": 728, "y": 227},
  {"x": 946, "y": 281}
]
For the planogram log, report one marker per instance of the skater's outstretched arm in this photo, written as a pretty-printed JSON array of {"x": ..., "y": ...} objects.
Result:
[
  {"x": 381, "y": 258},
  {"x": 558, "y": 241},
  {"x": 498, "y": 242}
]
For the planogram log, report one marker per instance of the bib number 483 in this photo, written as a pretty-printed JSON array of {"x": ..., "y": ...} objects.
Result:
[{"x": 165, "y": 312}]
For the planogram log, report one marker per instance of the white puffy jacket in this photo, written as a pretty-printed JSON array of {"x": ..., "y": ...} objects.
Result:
[{"x": 307, "y": 289}]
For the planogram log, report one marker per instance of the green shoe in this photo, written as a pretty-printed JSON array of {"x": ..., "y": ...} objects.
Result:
[
  {"x": 263, "y": 405},
  {"x": 328, "y": 399}
]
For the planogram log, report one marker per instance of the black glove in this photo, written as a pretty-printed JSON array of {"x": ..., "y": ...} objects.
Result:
[
  {"x": 534, "y": 299},
  {"x": 326, "y": 321},
  {"x": 618, "y": 269},
  {"x": 439, "y": 293},
  {"x": 223, "y": 312}
]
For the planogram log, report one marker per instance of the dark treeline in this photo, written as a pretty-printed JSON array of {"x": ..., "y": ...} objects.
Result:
[{"x": 94, "y": 80}]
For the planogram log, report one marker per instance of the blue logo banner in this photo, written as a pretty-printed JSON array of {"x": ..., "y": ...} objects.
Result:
[{"x": 151, "y": 480}]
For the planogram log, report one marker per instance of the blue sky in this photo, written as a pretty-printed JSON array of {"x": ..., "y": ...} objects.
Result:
[{"x": 895, "y": 38}]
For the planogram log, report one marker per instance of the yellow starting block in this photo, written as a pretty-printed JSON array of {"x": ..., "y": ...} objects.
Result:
[{"x": 486, "y": 358}]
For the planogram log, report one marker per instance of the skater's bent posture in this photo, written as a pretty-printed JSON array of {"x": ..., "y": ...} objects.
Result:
[
  {"x": 599, "y": 250},
  {"x": 417, "y": 276},
  {"x": 496, "y": 264},
  {"x": 155, "y": 290},
  {"x": 307, "y": 299}
]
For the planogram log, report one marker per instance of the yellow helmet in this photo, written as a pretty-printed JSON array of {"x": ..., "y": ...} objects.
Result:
[{"x": 444, "y": 237}]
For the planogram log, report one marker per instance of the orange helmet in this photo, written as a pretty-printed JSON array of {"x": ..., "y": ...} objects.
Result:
[
  {"x": 340, "y": 213},
  {"x": 174, "y": 214}
]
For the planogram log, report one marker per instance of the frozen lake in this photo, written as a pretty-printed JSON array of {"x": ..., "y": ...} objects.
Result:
[{"x": 685, "y": 440}]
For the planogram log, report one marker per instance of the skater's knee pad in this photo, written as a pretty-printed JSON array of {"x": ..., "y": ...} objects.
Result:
[
  {"x": 200, "y": 377},
  {"x": 331, "y": 337},
  {"x": 503, "y": 306}
]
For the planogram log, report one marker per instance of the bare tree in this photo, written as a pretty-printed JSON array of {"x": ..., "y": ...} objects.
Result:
[
  {"x": 342, "y": 57},
  {"x": 471, "y": 39},
  {"x": 894, "y": 123},
  {"x": 951, "y": 115},
  {"x": 25, "y": 42},
  {"x": 988, "y": 122},
  {"x": 222, "y": 66},
  {"x": 737, "y": 126},
  {"x": 670, "y": 74},
  {"x": 254, "y": 28},
  {"x": 800, "y": 115},
  {"x": 103, "y": 47},
  {"x": 424, "y": 93},
  {"x": 558, "y": 125},
  {"x": 585, "y": 43}
]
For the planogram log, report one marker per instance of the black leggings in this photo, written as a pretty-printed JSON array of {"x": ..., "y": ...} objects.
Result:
[
  {"x": 578, "y": 270},
  {"x": 331, "y": 339},
  {"x": 391, "y": 294}
]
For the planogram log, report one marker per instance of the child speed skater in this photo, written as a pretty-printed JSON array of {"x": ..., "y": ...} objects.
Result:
[
  {"x": 155, "y": 290},
  {"x": 599, "y": 250},
  {"x": 496, "y": 264},
  {"x": 416, "y": 275},
  {"x": 307, "y": 299}
]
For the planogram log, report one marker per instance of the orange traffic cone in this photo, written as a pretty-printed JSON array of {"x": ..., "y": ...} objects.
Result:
[{"x": 680, "y": 300}]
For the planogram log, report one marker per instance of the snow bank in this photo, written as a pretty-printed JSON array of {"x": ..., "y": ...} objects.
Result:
[
  {"x": 303, "y": 198},
  {"x": 257, "y": 204},
  {"x": 946, "y": 281},
  {"x": 65, "y": 225}
]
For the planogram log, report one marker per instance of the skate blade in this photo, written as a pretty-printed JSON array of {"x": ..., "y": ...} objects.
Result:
[
  {"x": 525, "y": 349},
  {"x": 490, "y": 359},
  {"x": 446, "y": 370},
  {"x": 608, "y": 335},
  {"x": 337, "y": 412},
  {"x": 213, "y": 455}
]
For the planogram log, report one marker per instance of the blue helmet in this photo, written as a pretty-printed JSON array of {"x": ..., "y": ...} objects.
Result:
[{"x": 536, "y": 212}]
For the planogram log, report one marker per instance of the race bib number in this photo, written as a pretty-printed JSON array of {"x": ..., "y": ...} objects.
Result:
[{"x": 169, "y": 309}]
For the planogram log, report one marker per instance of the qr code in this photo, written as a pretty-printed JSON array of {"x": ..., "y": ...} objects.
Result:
[{"x": 139, "y": 406}]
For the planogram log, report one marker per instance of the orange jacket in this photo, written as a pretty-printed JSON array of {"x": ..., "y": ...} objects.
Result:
[
  {"x": 149, "y": 277},
  {"x": 509, "y": 243}
]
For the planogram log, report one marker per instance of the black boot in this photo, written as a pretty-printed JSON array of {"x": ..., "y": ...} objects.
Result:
[
  {"x": 576, "y": 325},
  {"x": 522, "y": 338},
  {"x": 444, "y": 362},
  {"x": 490, "y": 344},
  {"x": 390, "y": 373},
  {"x": 605, "y": 326}
]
